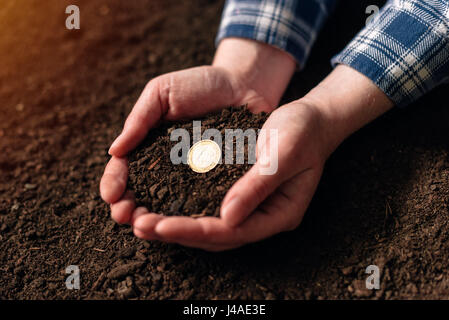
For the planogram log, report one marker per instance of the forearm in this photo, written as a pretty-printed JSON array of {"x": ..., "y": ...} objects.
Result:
[
  {"x": 404, "y": 50},
  {"x": 256, "y": 65},
  {"x": 394, "y": 60},
  {"x": 263, "y": 42},
  {"x": 347, "y": 100}
]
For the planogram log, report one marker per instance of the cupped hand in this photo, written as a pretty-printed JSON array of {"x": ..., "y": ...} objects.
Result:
[
  {"x": 179, "y": 95},
  {"x": 258, "y": 205}
]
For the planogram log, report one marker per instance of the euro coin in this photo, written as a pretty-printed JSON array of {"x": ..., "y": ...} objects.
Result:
[{"x": 203, "y": 156}]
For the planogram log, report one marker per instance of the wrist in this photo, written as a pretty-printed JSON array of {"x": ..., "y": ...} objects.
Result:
[
  {"x": 346, "y": 101},
  {"x": 256, "y": 66}
]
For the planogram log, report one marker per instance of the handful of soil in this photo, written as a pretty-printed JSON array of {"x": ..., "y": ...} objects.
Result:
[{"x": 175, "y": 189}]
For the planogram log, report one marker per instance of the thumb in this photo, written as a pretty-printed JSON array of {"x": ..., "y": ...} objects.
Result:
[
  {"x": 145, "y": 114},
  {"x": 247, "y": 193}
]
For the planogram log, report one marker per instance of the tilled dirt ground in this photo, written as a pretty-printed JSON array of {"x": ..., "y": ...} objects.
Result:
[{"x": 64, "y": 95}]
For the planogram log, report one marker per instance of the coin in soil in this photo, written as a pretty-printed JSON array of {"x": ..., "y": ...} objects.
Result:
[{"x": 203, "y": 156}]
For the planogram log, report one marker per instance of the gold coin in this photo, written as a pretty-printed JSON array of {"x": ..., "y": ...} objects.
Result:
[{"x": 203, "y": 156}]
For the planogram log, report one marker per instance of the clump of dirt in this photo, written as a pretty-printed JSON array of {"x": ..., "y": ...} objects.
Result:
[{"x": 175, "y": 189}]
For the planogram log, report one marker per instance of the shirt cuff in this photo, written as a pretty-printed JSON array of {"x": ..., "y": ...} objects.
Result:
[
  {"x": 288, "y": 24},
  {"x": 404, "y": 50}
]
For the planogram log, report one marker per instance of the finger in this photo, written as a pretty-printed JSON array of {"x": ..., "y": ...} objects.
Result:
[
  {"x": 213, "y": 234},
  {"x": 293, "y": 197},
  {"x": 113, "y": 181},
  {"x": 289, "y": 202},
  {"x": 144, "y": 222},
  {"x": 211, "y": 229},
  {"x": 282, "y": 211},
  {"x": 138, "y": 212},
  {"x": 206, "y": 246},
  {"x": 145, "y": 114},
  {"x": 247, "y": 193},
  {"x": 122, "y": 210},
  {"x": 149, "y": 233}
]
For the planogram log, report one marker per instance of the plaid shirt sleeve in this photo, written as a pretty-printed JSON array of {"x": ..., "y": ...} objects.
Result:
[
  {"x": 404, "y": 50},
  {"x": 290, "y": 25}
]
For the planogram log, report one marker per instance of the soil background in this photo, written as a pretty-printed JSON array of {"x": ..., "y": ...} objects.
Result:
[{"x": 64, "y": 95}]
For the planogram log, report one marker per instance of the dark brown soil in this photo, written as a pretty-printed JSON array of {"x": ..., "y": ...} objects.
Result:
[
  {"x": 64, "y": 96},
  {"x": 175, "y": 189}
]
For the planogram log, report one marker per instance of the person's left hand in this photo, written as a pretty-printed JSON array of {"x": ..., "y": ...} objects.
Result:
[{"x": 257, "y": 206}]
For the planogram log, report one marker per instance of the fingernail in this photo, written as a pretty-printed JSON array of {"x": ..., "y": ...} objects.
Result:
[
  {"x": 232, "y": 206},
  {"x": 113, "y": 145},
  {"x": 157, "y": 230}
]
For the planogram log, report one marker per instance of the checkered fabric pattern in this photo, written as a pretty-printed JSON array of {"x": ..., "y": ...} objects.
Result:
[
  {"x": 404, "y": 50},
  {"x": 290, "y": 25}
]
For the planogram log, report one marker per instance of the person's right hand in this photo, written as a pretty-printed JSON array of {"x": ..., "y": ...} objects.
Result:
[{"x": 192, "y": 93}]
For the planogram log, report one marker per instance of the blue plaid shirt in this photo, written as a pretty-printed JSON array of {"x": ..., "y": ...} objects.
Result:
[{"x": 404, "y": 50}]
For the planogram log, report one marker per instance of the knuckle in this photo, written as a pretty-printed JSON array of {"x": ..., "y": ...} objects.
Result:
[
  {"x": 292, "y": 226},
  {"x": 293, "y": 221},
  {"x": 152, "y": 84},
  {"x": 261, "y": 188}
]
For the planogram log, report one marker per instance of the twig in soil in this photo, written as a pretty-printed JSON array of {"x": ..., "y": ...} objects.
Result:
[
  {"x": 35, "y": 248},
  {"x": 99, "y": 281},
  {"x": 154, "y": 163},
  {"x": 198, "y": 215},
  {"x": 388, "y": 212},
  {"x": 109, "y": 242},
  {"x": 78, "y": 236}
]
